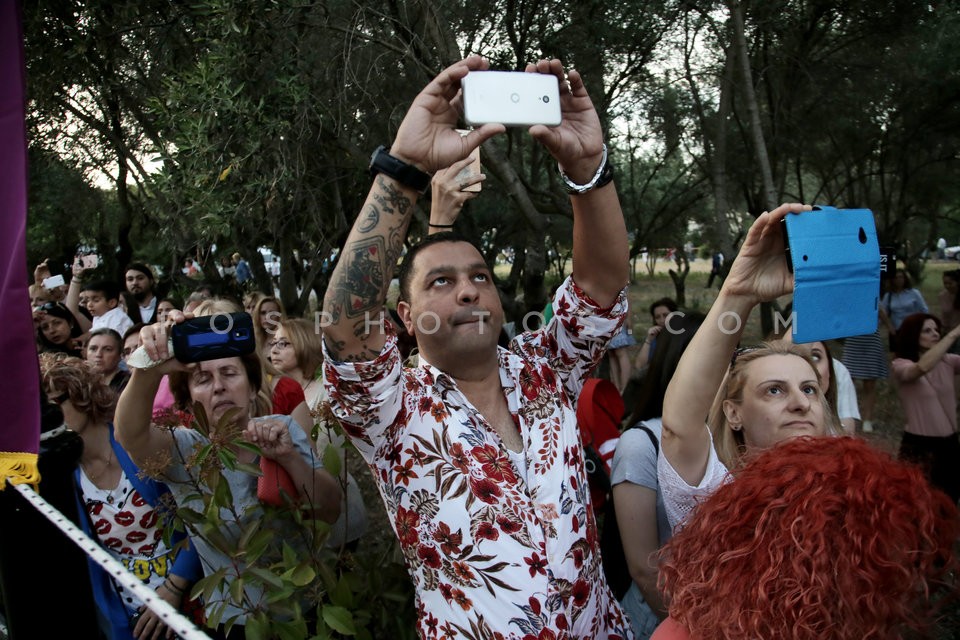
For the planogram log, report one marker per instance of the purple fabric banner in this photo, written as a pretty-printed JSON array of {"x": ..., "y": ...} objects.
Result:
[{"x": 19, "y": 387}]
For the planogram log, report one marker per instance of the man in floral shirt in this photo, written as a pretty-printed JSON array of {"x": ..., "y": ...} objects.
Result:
[{"x": 476, "y": 451}]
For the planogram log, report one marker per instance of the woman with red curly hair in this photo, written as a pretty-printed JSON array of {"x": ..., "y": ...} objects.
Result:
[
  {"x": 925, "y": 371},
  {"x": 814, "y": 538}
]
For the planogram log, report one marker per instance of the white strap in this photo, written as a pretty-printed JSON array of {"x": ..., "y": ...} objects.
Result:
[{"x": 182, "y": 626}]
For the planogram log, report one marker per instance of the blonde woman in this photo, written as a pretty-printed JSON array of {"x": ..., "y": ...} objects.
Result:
[
  {"x": 296, "y": 352},
  {"x": 754, "y": 398},
  {"x": 267, "y": 314}
]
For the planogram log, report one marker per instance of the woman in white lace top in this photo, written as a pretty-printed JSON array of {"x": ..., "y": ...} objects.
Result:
[{"x": 755, "y": 398}]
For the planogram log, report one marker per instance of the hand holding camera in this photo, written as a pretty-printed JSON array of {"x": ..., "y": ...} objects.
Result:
[
  {"x": 186, "y": 339},
  {"x": 577, "y": 143},
  {"x": 427, "y": 137},
  {"x": 759, "y": 273}
]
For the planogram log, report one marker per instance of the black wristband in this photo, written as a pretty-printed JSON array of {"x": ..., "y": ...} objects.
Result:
[
  {"x": 406, "y": 174},
  {"x": 441, "y": 226}
]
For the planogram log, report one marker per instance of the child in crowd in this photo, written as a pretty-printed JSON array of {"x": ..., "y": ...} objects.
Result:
[{"x": 103, "y": 303}]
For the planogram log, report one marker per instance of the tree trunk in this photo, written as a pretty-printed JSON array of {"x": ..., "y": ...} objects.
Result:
[
  {"x": 535, "y": 261},
  {"x": 756, "y": 129},
  {"x": 715, "y": 150},
  {"x": 679, "y": 276}
]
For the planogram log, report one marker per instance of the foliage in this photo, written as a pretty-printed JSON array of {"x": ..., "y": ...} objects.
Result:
[
  {"x": 57, "y": 194},
  {"x": 262, "y": 115},
  {"x": 311, "y": 590}
]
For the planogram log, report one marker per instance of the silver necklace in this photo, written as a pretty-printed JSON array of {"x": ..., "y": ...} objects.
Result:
[{"x": 110, "y": 498}]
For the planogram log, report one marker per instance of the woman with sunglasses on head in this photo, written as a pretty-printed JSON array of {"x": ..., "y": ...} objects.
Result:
[
  {"x": 756, "y": 488},
  {"x": 835, "y": 380},
  {"x": 753, "y": 398},
  {"x": 925, "y": 371},
  {"x": 123, "y": 508},
  {"x": 58, "y": 330}
]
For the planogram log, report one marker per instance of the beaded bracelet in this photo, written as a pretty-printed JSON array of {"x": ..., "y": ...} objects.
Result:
[{"x": 172, "y": 587}]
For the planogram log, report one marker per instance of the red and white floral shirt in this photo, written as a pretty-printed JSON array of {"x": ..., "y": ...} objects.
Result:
[{"x": 495, "y": 551}]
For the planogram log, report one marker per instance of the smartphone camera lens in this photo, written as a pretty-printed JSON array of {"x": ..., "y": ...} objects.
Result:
[{"x": 545, "y": 99}]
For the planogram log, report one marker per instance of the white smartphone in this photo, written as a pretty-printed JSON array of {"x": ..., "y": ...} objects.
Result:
[
  {"x": 53, "y": 282},
  {"x": 511, "y": 98}
]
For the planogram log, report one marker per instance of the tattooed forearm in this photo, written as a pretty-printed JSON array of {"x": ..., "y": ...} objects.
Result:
[
  {"x": 358, "y": 287},
  {"x": 363, "y": 274},
  {"x": 391, "y": 198}
]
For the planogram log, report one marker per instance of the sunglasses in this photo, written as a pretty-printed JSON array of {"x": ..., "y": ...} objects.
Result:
[
  {"x": 50, "y": 306},
  {"x": 739, "y": 351}
]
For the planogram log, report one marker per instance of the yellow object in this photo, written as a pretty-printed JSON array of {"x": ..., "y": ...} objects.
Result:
[{"x": 18, "y": 468}]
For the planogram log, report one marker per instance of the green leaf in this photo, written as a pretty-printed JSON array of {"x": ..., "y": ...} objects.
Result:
[
  {"x": 292, "y": 630},
  {"x": 257, "y": 628},
  {"x": 258, "y": 544},
  {"x": 223, "y": 496},
  {"x": 249, "y": 446},
  {"x": 247, "y": 535},
  {"x": 227, "y": 458},
  {"x": 303, "y": 575},
  {"x": 212, "y": 582},
  {"x": 202, "y": 454},
  {"x": 249, "y": 469},
  {"x": 236, "y": 590},
  {"x": 266, "y": 576},
  {"x": 290, "y": 555},
  {"x": 331, "y": 460},
  {"x": 339, "y": 619},
  {"x": 342, "y": 594},
  {"x": 281, "y": 595}
]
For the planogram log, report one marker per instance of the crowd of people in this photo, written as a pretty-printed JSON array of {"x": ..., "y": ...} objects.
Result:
[{"x": 746, "y": 503}]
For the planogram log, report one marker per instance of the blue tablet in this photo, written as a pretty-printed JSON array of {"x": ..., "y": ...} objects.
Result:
[{"x": 835, "y": 259}]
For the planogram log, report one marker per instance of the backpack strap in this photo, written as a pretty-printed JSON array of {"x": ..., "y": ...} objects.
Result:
[{"x": 652, "y": 436}]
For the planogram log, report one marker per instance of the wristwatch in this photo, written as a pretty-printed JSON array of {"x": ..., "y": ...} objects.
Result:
[{"x": 406, "y": 174}]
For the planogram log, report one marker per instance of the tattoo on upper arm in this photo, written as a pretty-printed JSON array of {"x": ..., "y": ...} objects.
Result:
[{"x": 362, "y": 274}]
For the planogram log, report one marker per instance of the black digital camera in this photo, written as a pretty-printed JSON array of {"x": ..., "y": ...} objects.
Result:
[{"x": 223, "y": 335}]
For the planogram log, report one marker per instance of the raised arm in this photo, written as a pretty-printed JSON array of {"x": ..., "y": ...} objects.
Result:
[
  {"x": 448, "y": 193},
  {"x": 72, "y": 300},
  {"x": 133, "y": 420},
  {"x": 601, "y": 252},
  {"x": 427, "y": 139},
  {"x": 929, "y": 359},
  {"x": 759, "y": 273}
]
